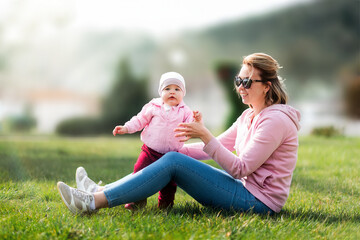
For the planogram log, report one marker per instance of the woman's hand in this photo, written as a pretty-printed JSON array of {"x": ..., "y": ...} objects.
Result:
[{"x": 195, "y": 129}]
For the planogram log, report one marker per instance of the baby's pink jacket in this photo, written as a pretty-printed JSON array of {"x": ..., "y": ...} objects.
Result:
[
  {"x": 266, "y": 152},
  {"x": 159, "y": 125}
]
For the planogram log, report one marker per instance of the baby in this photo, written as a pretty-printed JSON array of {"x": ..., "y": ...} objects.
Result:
[{"x": 158, "y": 119}]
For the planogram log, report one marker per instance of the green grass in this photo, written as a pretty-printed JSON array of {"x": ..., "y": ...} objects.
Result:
[{"x": 324, "y": 202}]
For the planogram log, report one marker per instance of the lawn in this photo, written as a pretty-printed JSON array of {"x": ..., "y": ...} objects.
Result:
[{"x": 324, "y": 201}]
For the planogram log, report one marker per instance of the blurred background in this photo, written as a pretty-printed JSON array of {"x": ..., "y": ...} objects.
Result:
[{"x": 81, "y": 67}]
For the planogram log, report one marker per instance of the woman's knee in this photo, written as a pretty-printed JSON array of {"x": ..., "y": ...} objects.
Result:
[
  {"x": 176, "y": 158},
  {"x": 172, "y": 156}
]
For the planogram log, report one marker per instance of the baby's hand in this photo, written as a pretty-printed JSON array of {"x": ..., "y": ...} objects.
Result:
[
  {"x": 120, "y": 130},
  {"x": 197, "y": 116}
]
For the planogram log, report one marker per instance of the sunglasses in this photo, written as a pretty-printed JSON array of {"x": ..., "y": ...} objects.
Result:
[{"x": 246, "y": 82}]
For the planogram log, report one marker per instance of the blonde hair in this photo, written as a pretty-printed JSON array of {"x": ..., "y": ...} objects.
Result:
[{"x": 268, "y": 68}]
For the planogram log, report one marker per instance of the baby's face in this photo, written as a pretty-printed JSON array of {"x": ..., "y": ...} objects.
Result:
[{"x": 172, "y": 95}]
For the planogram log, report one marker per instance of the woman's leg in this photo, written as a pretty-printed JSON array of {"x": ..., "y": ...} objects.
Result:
[{"x": 206, "y": 184}]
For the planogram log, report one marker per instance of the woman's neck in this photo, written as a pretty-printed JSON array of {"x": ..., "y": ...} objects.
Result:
[{"x": 258, "y": 108}]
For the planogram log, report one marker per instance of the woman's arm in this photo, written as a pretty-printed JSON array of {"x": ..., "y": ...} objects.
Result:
[
  {"x": 267, "y": 137},
  {"x": 265, "y": 140},
  {"x": 196, "y": 150}
]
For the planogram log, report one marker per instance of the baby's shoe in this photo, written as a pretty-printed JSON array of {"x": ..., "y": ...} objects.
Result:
[
  {"x": 165, "y": 204},
  {"x": 136, "y": 205}
]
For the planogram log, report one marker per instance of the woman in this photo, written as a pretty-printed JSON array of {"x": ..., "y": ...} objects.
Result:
[{"x": 257, "y": 178}]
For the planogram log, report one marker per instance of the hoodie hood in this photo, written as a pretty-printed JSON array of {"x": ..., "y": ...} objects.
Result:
[{"x": 289, "y": 111}]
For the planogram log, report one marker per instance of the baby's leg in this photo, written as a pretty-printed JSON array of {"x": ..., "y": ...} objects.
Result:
[
  {"x": 145, "y": 159},
  {"x": 167, "y": 195}
]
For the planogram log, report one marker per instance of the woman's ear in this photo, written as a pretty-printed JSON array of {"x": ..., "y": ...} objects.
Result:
[{"x": 268, "y": 86}]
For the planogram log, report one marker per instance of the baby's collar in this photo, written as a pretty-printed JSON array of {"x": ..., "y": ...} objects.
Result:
[{"x": 160, "y": 103}]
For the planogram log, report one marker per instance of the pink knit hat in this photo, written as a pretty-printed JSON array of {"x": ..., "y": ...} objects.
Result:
[{"x": 172, "y": 78}]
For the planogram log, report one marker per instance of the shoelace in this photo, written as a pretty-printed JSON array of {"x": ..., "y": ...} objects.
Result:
[{"x": 82, "y": 195}]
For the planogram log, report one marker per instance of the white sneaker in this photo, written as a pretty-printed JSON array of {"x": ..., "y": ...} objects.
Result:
[
  {"x": 83, "y": 182},
  {"x": 77, "y": 201}
]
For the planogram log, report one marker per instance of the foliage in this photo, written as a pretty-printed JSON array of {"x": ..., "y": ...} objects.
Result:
[
  {"x": 352, "y": 98},
  {"x": 351, "y": 89},
  {"x": 79, "y": 126},
  {"x": 323, "y": 201},
  {"x": 312, "y": 40},
  {"x": 226, "y": 71},
  {"x": 125, "y": 98},
  {"x": 21, "y": 123},
  {"x": 327, "y": 131}
]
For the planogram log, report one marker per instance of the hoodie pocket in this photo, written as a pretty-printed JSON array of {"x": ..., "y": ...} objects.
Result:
[{"x": 262, "y": 177}]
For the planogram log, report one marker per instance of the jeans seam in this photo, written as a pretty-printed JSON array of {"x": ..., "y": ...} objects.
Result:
[
  {"x": 194, "y": 172},
  {"x": 128, "y": 191},
  {"x": 219, "y": 186},
  {"x": 176, "y": 166}
]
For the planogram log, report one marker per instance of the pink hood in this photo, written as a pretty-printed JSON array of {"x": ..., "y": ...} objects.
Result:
[{"x": 289, "y": 111}]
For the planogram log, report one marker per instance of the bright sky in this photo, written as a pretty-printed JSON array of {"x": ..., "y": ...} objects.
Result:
[
  {"x": 158, "y": 17},
  {"x": 163, "y": 16}
]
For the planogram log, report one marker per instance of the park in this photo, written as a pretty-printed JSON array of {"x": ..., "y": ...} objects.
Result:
[{"x": 323, "y": 201}]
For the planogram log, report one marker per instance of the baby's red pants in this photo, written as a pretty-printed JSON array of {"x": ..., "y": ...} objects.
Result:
[{"x": 147, "y": 157}]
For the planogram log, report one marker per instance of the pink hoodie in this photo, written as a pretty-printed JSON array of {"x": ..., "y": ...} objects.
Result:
[
  {"x": 266, "y": 152},
  {"x": 159, "y": 125}
]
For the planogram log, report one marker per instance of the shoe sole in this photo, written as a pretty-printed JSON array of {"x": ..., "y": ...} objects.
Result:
[
  {"x": 63, "y": 199},
  {"x": 80, "y": 183}
]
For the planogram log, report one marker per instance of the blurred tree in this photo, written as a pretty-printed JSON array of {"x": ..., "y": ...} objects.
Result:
[
  {"x": 126, "y": 97},
  {"x": 350, "y": 82},
  {"x": 312, "y": 40},
  {"x": 226, "y": 71},
  {"x": 79, "y": 126},
  {"x": 327, "y": 131},
  {"x": 352, "y": 97},
  {"x": 23, "y": 122}
]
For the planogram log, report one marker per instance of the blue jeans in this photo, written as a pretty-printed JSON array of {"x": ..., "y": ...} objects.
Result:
[{"x": 207, "y": 185}]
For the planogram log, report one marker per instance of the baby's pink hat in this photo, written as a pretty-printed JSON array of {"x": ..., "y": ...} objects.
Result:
[{"x": 172, "y": 78}]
